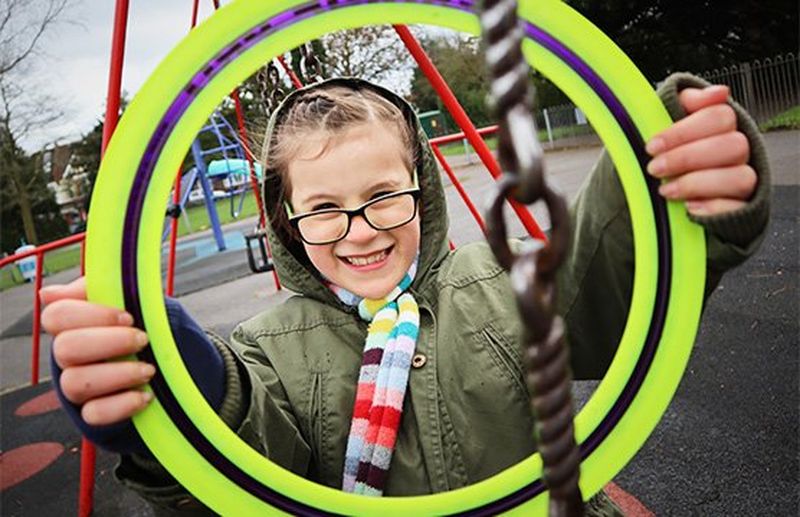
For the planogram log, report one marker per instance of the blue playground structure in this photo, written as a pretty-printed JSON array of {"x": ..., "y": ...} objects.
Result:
[{"x": 228, "y": 168}]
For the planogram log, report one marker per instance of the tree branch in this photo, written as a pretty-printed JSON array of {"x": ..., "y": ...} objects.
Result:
[{"x": 54, "y": 10}]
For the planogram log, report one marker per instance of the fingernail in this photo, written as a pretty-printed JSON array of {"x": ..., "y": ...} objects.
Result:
[
  {"x": 141, "y": 339},
  {"x": 146, "y": 397},
  {"x": 655, "y": 146},
  {"x": 47, "y": 289},
  {"x": 717, "y": 88},
  {"x": 696, "y": 208},
  {"x": 668, "y": 190},
  {"x": 147, "y": 370},
  {"x": 125, "y": 319},
  {"x": 657, "y": 167}
]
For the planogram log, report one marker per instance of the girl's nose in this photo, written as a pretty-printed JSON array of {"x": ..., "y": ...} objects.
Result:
[{"x": 360, "y": 230}]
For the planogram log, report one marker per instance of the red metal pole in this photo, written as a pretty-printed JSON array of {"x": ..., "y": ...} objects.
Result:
[
  {"x": 88, "y": 460},
  {"x": 462, "y": 119},
  {"x": 39, "y": 252},
  {"x": 253, "y": 180},
  {"x": 459, "y": 187},
  {"x": 292, "y": 76},
  {"x": 88, "y": 453},
  {"x": 176, "y": 198},
  {"x": 455, "y": 137},
  {"x": 83, "y": 256},
  {"x": 115, "y": 71},
  {"x": 173, "y": 235},
  {"x": 37, "y": 323},
  {"x": 195, "y": 8},
  {"x": 44, "y": 248}
]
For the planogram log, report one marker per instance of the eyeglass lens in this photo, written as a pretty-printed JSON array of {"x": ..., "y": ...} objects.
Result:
[{"x": 382, "y": 215}]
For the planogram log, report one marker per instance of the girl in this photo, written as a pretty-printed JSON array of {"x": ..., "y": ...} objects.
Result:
[{"x": 359, "y": 231}]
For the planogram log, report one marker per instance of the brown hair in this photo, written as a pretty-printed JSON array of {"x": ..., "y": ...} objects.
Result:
[{"x": 328, "y": 111}]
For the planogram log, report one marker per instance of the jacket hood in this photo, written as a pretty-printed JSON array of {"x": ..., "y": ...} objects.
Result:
[{"x": 294, "y": 269}]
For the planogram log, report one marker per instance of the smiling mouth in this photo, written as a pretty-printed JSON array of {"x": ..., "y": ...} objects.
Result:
[{"x": 366, "y": 260}]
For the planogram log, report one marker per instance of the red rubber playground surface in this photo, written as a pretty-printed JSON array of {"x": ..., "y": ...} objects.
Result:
[{"x": 39, "y": 465}]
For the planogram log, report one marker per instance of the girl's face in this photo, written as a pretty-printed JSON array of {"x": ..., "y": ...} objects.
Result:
[{"x": 360, "y": 164}]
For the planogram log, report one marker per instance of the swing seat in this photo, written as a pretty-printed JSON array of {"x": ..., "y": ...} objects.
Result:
[{"x": 262, "y": 264}]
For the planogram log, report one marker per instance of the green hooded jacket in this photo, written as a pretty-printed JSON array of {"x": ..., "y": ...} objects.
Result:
[{"x": 466, "y": 414}]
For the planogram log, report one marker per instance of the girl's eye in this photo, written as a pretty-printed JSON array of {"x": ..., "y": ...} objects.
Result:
[
  {"x": 323, "y": 206},
  {"x": 381, "y": 194}
]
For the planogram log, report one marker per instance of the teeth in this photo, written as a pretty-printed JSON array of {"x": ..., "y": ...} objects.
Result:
[{"x": 363, "y": 261}]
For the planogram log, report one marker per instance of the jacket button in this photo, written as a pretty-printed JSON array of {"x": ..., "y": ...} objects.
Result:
[{"x": 419, "y": 360}]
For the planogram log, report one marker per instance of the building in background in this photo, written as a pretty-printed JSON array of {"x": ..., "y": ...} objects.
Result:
[{"x": 69, "y": 184}]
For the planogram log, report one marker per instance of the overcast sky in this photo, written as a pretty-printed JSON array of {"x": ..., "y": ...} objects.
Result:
[{"x": 74, "y": 58}]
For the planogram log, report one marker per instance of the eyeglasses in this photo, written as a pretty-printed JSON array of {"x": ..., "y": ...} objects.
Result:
[{"x": 330, "y": 225}]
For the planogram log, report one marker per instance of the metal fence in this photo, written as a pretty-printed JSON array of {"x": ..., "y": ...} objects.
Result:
[
  {"x": 764, "y": 87},
  {"x": 564, "y": 126}
]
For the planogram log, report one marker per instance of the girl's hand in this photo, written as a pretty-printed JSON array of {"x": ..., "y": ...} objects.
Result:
[
  {"x": 87, "y": 335},
  {"x": 703, "y": 157}
]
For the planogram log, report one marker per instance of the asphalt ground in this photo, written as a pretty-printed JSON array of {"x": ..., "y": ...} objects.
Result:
[{"x": 727, "y": 445}]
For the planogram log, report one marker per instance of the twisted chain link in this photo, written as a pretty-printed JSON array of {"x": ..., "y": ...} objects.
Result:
[
  {"x": 270, "y": 86},
  {"x": 532, "y": 272},
  {"x": 309, "y": 64}
]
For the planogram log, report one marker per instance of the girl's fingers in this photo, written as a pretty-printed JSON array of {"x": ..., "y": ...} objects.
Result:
[
  {"x": 737, "y": 182},
  {"x": 67, "y": 313},
  {"x": 75, "y": 290},
  {"x": 115, "y": 408},
  {"x": 695, "y": 99},
  {"x": 83, "y": 383},
  {"x": 713, "y": 206},
  {"x": 709, "y": 121},
  {"x": 725, "y": 150},
  {"x": 95, "y": 344}
]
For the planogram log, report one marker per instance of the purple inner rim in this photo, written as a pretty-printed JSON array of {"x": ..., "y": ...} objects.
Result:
[{"x": 228, "y": 55}]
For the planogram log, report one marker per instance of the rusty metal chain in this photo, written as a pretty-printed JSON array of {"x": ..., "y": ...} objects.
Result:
[
  {"x": 532, "y": 272},
  {"x": 309, "y": 64},
  {"x": 271, "y": 88}
]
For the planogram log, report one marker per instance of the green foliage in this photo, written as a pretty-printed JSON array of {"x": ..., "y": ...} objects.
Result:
[
  {"x": 54, "y": 261},
  {"x": 461, "y": 64},
  {"x": 664, "y": 36},
  {"x": 460, "y": 60},
  {"x": 789, "y": 119},
  {"x": 86, "y": 156},
  {"x": 198, "y": 214},
  {"x": 21, "y": 171}
]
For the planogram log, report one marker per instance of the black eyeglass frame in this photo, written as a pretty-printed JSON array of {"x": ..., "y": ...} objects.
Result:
[{"x": 415, "y": 192}]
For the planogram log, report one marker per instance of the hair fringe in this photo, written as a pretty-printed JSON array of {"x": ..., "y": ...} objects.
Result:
[{"x": 328, "y": 111}]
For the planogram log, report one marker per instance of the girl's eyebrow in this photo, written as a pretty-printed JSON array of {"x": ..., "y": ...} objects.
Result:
[
  {"x": 315, "y": 197},
  {"x": 385, "y": 184},
  {"x": 391, "y": 184}
]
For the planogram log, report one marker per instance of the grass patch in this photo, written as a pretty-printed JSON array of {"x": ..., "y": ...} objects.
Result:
[
  {"x": 54, "y": 261},
  {"x": 789, "y": 119},
  {"x": 59, "y": 260},
  {"x": 198, "y": 215},
  {"x": 457, "y": 148}
]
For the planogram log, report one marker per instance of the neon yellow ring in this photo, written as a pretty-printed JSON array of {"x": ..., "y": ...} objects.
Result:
[{"x": 161, "y": 122}]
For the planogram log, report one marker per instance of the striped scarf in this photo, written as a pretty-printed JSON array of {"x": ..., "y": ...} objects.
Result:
[{"x": 382, "y": 384}]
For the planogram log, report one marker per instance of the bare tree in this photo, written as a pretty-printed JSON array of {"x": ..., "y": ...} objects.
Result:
[
  {"x": 23, "y": 23},
  {"x": 374, "y": 53}
]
